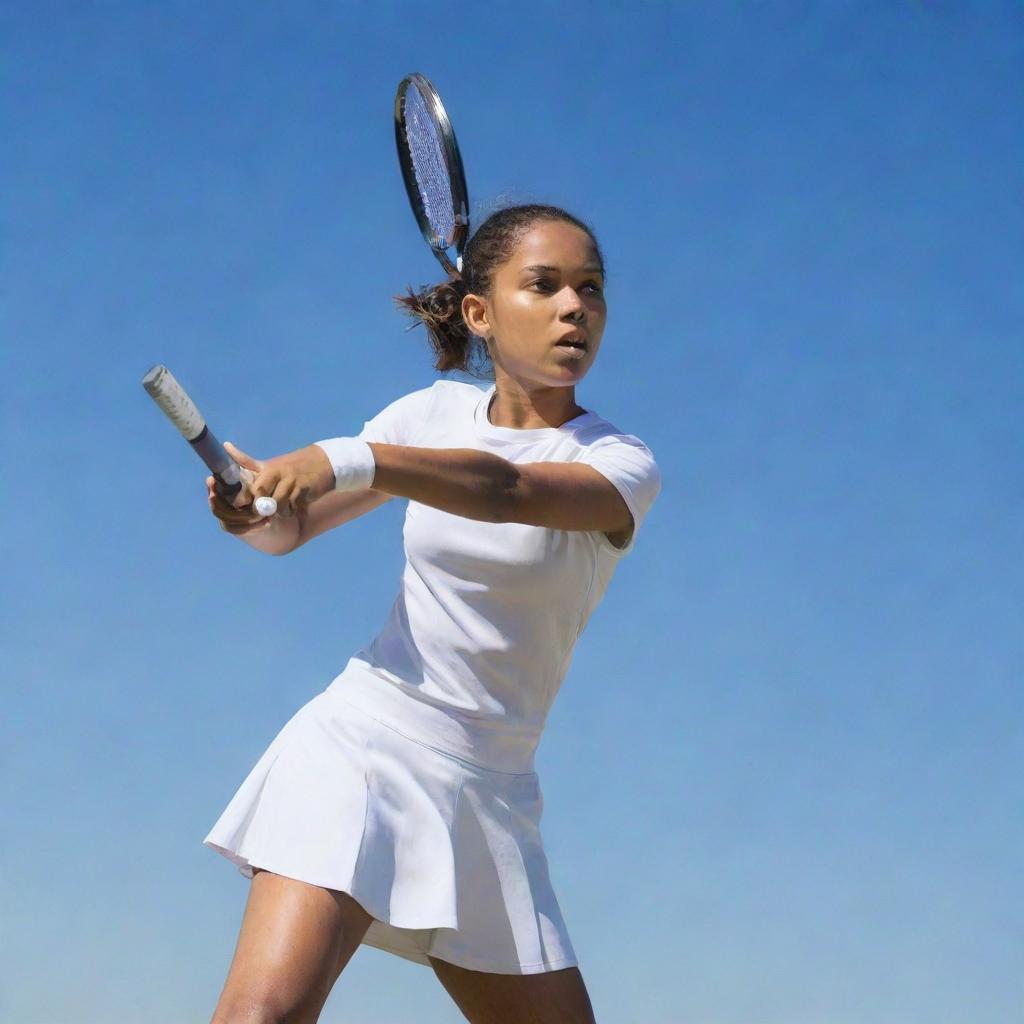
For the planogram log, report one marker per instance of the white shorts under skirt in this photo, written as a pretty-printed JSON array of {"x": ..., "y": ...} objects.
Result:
[{"x": 446, "y": 854}]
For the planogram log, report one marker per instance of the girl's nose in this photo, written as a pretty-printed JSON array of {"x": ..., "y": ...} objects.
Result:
[{"x": 573, "y": 306}]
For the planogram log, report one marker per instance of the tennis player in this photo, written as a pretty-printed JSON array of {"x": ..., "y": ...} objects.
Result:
[{"x": 399, "y": 808}]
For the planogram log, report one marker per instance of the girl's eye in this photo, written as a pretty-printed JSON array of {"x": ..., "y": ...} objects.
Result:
[{"x": 593, "y": 285}]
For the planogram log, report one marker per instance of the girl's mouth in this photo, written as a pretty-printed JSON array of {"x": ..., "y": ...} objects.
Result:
[{"x": 573, "y": 341}]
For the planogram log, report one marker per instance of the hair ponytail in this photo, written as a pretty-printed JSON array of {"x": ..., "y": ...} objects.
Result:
[{"x": 439, "y": 308}]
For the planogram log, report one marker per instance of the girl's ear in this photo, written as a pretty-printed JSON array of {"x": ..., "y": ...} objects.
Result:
[{"x": 474, "y": 313}]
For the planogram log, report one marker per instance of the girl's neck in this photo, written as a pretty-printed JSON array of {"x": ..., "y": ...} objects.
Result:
[{"x": 514, "y": 407}]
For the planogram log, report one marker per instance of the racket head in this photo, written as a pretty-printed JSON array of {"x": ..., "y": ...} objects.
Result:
[{"x": 432, "y": 168}]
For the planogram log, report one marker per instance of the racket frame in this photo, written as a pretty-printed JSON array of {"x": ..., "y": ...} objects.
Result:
[{"x": 453, "y": 164}]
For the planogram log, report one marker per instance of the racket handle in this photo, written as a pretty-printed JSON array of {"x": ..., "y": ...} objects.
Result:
[
  {"x": 227, "y": 473},
  {"x": 182, "y": 412}
]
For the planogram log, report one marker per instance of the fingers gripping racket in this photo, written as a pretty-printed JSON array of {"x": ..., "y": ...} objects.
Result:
[
  {"x": 432, "y": 169},
  {"x": 182, "y": 412}
]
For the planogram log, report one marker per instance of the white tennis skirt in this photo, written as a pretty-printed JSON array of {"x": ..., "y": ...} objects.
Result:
[{"x": 444, "y": 851}]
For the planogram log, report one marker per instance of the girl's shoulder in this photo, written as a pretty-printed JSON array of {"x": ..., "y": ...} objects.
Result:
[
  {"x": 456, "y": 388},
  {"x": 596, "y": 431}
]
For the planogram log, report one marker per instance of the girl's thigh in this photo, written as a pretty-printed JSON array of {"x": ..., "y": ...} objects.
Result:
[
  {"x": 555, "y": 997},
  {"x": 294, "y": 941}
]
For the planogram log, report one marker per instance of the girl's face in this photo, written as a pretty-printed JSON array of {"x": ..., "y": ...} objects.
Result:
[{"x": 549, "y": 288}]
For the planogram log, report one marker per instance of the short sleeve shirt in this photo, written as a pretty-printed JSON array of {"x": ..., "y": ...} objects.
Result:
[{"x": 488, "y": 614}]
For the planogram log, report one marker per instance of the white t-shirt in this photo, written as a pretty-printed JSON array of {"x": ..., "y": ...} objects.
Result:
[{"x": 488, "y": 614}]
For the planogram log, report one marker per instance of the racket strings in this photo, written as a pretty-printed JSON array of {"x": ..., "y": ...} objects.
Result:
[{"x": 430, "y": 168}]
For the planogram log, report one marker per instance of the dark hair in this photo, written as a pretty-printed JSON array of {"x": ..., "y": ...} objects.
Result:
[{"x": 439, "y": 307}]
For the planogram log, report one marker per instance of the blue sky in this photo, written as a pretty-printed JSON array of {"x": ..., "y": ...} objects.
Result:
[{"x": 783, "y": 777}]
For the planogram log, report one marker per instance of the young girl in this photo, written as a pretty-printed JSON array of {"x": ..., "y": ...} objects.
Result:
[{"x": 399, "y": 808}]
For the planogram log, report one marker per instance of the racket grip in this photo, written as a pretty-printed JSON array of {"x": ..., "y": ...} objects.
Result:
[
  {"x": 227, "y": 474},
  {"x": 228, "y": 491},
  {"x": 176, "y": 405}
]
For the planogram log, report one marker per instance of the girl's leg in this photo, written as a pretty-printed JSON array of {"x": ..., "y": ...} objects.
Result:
[
  {"x": 555, "y": 997},
  {"x": 294, "y": 941}
]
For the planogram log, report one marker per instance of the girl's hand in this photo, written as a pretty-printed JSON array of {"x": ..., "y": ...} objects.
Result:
[
  {"x": 238, "y": 520},
  {"x": 237, "y": 516},
  {"x": 293, "y": 480}
]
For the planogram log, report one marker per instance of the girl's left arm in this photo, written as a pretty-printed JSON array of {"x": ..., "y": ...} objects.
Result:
[{"x": 480, "y": 485}]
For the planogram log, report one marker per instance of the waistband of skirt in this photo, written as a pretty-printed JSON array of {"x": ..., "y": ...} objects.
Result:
[{"x": 493, "y": 744}]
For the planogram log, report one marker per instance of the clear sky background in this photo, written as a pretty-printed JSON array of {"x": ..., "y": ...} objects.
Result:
[{"x": 783, "y": 778}]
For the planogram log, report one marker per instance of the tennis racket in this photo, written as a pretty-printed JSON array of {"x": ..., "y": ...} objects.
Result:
[
  {"x": 182, "y": 412},
  {"x": 432, "y": 169}
]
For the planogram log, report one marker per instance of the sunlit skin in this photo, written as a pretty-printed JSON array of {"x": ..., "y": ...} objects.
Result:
[{"x": 526, "y": 314}]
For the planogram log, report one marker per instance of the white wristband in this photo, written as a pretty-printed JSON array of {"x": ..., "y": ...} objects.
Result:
[{"x": 353, "y": 463}]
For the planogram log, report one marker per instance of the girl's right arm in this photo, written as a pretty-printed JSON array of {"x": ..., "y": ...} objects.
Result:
[
  {"x": 333, "y": 509},
  {"x": 289, "y": 528},
  {"x": 280, "y": 534}
]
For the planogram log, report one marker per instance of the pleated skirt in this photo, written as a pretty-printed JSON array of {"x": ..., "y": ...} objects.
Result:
[{"x": 361, "y": 792}]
